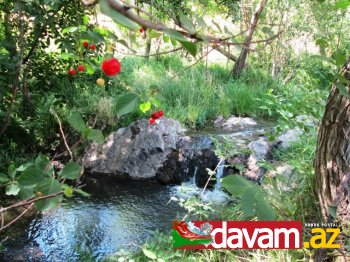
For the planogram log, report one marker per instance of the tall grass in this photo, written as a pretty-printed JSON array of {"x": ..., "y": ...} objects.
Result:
[{"x": 197, "y": 94}]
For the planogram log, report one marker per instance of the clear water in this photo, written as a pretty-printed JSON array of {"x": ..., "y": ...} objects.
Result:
[{"x": 118, "y": 215}]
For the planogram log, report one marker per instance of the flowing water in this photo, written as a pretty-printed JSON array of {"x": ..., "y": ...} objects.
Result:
[{"x": 118, "y": 215}]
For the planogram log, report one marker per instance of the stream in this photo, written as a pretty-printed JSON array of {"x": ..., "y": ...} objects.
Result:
[{"x": 118, "y": 214}]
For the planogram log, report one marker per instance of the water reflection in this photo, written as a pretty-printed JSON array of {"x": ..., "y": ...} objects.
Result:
[{"x": 117, "y": 215}]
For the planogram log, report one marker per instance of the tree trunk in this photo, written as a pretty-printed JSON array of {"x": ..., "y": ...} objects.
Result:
[
  {"x": 332, "y": 164},
  {"x": 241, "y": 61}
]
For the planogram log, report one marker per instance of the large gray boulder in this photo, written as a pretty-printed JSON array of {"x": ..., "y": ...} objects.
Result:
[
  {"x": 144, "y": 151},
  {"x": 136, "y": 151}
]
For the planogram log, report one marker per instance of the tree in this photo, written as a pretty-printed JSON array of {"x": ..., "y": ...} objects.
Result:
[
  {"x": 241, "y": 61},
  {"x": 332, "y": 164}
]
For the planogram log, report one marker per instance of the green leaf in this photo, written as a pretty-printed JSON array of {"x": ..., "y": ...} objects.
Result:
[
  {"x": 70, "y": 29},
  {"x": 144, "y": 107},
  {"x": 81, "y": 192},
  {"x": 190, "y": 47},
  {"x": 187, "y": 23},
  {"x": 68, "y": 190},
  {"x": 340, "y": 59},
  {"x": 46, "y": 188},
  {"x": 149, "y": 254},
  {"x": 154, "y": 34},
  {"x": 236, "y": 185},
  {"x": 96, "y": 37},
  {"x": 166, "y": 39},
  {"x": 24, "y": 167},
  {"x": 263, "y": 209},
  {"x": 26, "y": 193},
  {"x": 86, "y": 20},
  {"x": 248, "y": 202},
  {"x": 76, "y": 121},
  {"x": 119, "y": 18},
  {"x": 43, "y": 164},
  {"x": 31, "y": 177},
  {"x": 127, "y": 103},
  {"x": 96, "y": 136},
  {"x": 70, "y": 171},
  {"x": 90, "y": 70},
  {"x": 12, "y": 189},
  {"x": 342, "y": 89},
  {"x": 11, "y": 171},
  {"x": 175, "y": 34},
  {"x": 3, "y": 178},
  {"x": 343, "y": 4}
]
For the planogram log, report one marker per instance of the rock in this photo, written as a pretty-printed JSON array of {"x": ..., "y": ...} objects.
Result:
[
  {"x": 191, "y": 158},
  {"x": 218, "y": 121},
  {"x": 306, "y": 120},
  {"x": 283, "y": 142},
  {"x": 260, "y": 151},
  {"x": 143, "y": 151},
  {"x": 136, "y": 151},
  {"x": 284, "y": 175},
  {"x": 238, "y": 123}
]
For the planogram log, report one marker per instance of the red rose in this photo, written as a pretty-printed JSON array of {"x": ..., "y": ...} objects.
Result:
[
  {"x": 85, "y": 44},
  {"x": 152, "y": 121},
  {"x": 92, "y": 47},
  {"x": 81, "y": 68},
  {"x": 111, "y": 67},
  {"x": 72, "y": 72}
]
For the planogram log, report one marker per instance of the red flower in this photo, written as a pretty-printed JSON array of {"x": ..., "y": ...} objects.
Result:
[
  {"x": 142, "y": 30},
  {"x": 92, "y": 47},
  {"x": 85, "y": 44},
  {"x": 72, "y": 72},
  {"x": 157, "y": 115},
  {"x": 152, "y": 121},
  {"x": 111, "y": 67},
  {"x": 81, "y": 68}
]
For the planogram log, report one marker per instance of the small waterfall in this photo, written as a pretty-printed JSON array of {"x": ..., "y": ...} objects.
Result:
[
  {"x": 219, "y": 174},
  {"x": 193, "y": 179}
]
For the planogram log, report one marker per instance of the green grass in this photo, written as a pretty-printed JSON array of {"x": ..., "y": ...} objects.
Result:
[{"x": 197, "y": 94}]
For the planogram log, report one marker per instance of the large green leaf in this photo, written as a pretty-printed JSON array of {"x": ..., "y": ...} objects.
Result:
[
  {"x": 248, "y": 202},
  {"x": 263, "y": 208},
  {"x": 31, "y": 177},
  {"x": 76, "y": 121},
  {"x": 236, "y": 185},
  {"x": 96, "y": 136},
  {"x": 26, "y": 193},
  {"x": 190, "y": 47},
  {"x": 12, "y": 189},
  {"x": 48, "y": 187},
  {"x": 119, "y": 18},
  {"x": 70, "y": 171},
  {"x": 43, "y": 164},
  {"x": 175, "y": 34},
  {"x": 127, "y": 103}
]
